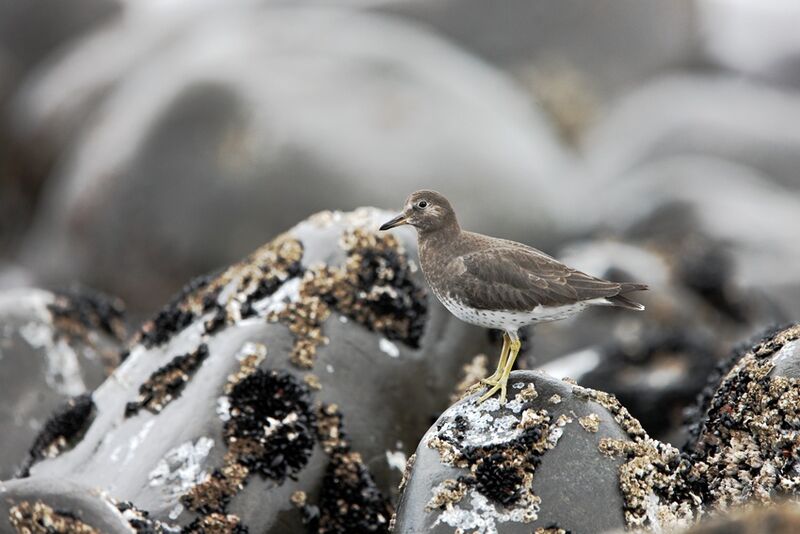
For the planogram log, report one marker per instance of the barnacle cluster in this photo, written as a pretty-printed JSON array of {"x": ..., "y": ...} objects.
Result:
[
  {"x": 167, "y": 383},
  {"x": 38, "y": 518},
  {"x": 64, "y": 428},
  {"x": 374, "y": 287}
]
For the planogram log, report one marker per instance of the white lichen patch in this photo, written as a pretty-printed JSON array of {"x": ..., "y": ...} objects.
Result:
[
  {"x": 224, "y": 408},
  {"x": 389, "y": 348},
  {"x": 181, "y": 468},
  {"x": 490, "y": 442},
  {"x": 484, "y": 428},
  {"x": 63, "y": 372},
  {"x": 286, "y": 294},
  {"x": 249, "y": 349},
  {"x": 482, "y": 516},
  {"x": 176, "y": 512}
]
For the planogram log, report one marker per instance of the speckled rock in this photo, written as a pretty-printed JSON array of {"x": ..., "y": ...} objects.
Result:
[
  {"x": 54, "y": 350},
  {"x": 743, "y": 451},
  {"x": 333, "y": 113},
  {"x": 746, "y": 440},
  {"x": 534, "y": 463},
  {"x": 251, "y": 399},
  {"x": 29, "y": 506}
]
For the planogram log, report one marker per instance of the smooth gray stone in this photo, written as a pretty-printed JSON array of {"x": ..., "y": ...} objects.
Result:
[{"x": 577, "y": 484}]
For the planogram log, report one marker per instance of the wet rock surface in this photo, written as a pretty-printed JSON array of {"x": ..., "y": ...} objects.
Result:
[
  {"x": 247, "y": 402},
  {"x": 54, "y": 350},
  {"x": 533, "y": 463}
]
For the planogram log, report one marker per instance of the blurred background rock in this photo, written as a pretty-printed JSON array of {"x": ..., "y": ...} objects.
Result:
[{"x": 144, "y": 143}]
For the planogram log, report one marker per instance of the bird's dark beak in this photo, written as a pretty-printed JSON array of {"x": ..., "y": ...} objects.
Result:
[{"x": 397, "y": 221}]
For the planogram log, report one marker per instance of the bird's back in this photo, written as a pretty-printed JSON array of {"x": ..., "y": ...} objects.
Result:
[{"x": 489, "y": 273}]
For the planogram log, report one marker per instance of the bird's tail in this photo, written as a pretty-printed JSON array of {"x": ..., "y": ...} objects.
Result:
[{"x": 623, "y": 301}]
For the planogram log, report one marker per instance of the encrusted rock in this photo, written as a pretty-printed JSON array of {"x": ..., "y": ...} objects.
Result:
[
  {"x": 524, "y": 466},
  {"x": 746, "y": 448},
  {"x": 743, "y": 452},
  {"x": 212, "y": 421}
]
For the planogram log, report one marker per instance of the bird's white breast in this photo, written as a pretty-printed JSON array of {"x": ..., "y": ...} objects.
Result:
[{"x": 509, "y": 320}]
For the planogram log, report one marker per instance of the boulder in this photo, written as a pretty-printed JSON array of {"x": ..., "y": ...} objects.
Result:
[
  {"x": 55, "y": 348},
  {"x": 536, "y": 462},
  {"x": 270, "y": 393},
  {"x": 745, "y": 429}
]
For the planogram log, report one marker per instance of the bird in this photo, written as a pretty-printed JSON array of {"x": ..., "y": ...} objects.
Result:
[{"x": 497, "y": 283}]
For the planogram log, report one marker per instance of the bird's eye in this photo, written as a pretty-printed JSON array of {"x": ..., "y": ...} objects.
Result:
[{"x": 422, "y": 204}]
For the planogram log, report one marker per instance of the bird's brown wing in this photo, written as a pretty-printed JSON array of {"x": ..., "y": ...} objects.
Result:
[{"x": 521, "y": 278}]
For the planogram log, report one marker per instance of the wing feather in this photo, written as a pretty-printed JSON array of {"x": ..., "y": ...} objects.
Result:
[{"x": 521, "y": 278}]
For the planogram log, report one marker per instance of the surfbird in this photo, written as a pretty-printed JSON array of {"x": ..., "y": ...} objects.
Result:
[{"x": 496, "y": 283}]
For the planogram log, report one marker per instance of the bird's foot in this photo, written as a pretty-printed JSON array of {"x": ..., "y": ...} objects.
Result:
[
  {"x": 499, "y": 385},
  {"x": 492, "y": 380}
]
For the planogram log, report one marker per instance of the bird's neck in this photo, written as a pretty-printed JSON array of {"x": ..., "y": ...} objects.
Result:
[
  {"x": 440, "y": 239},
  {"x": 446, "y": 233}
]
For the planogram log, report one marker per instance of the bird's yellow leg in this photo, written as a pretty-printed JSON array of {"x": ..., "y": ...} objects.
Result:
[
  {"x": 492, "y": 380},
  {"x": 503, "y": 380},
  {"x": 515, "y": 346}
]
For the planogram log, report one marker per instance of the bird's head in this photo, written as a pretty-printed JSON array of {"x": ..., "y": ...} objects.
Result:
[{"x": 427, "y": 211}]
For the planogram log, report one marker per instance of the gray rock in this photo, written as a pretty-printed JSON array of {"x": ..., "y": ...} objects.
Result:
[
  {"x": 53, "y": 347},
  {"x": 753, "y": 39},
  {"x": 713, "y": 116},
  {"x": 52, "y": 500},
  {"x": 269, "y": 375},
  {"x": 740, "y": 454},
  {"x": 616, "y": 44},
  {"x": 316, "y": 126},
  {"x": 31, "y": 33},
  {"x": 536, "y": 462}
]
